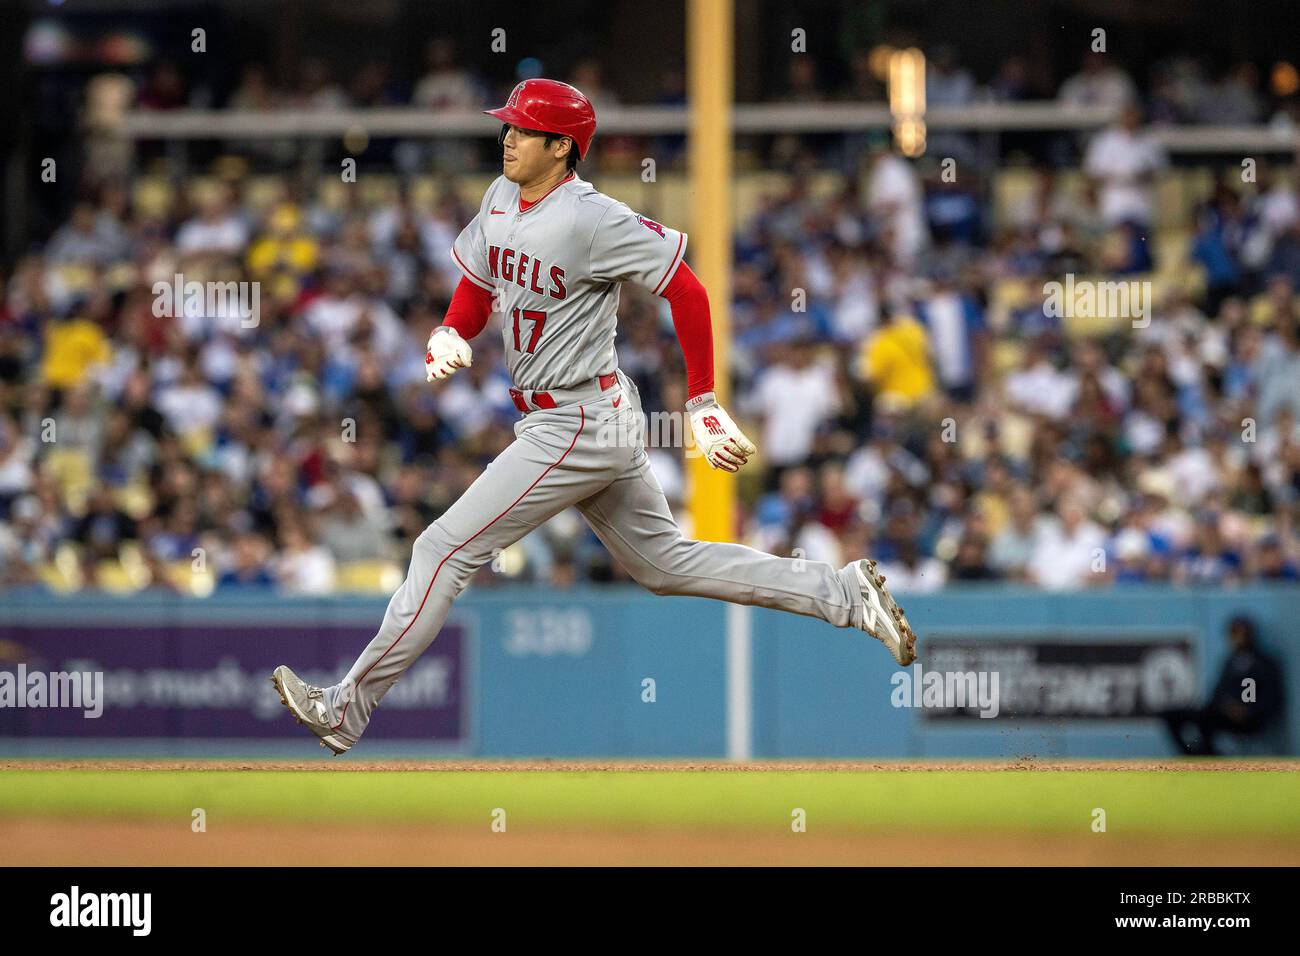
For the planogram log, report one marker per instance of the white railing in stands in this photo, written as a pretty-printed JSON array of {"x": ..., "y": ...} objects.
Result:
[{"x": 658, "y": 120}]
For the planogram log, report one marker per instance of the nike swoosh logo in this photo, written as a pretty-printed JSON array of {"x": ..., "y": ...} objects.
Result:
[
  {"x": 617, "y": 400},
  {"x": 496, "y": 212}
]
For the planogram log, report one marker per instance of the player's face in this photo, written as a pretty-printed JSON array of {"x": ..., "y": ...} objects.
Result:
[{"x": 525, "y": 157}]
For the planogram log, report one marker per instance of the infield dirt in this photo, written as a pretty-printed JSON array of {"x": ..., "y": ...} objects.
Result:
[
  {"x": 657, "y": 766},
  {"x": 27, "y": 842}
]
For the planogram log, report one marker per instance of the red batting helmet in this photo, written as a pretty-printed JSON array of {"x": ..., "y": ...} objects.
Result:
[{"x": 550, "y": 106}]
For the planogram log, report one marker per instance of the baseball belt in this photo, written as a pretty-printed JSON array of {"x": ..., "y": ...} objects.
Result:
[{"x": 532, "y": 400}]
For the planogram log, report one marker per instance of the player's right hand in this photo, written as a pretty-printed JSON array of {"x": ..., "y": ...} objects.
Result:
[
  {"x": 445, "y": 353},
  {"x": 718, "y": 437}
]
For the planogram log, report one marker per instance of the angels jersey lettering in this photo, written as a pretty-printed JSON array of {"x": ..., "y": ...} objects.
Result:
[{"x": 555, "y": 269}]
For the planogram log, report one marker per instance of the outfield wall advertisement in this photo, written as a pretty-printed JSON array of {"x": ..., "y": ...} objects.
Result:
[
  {"x": 209, "y": 681},
  {"x": 615, "y": 672},
  {"x": 1087, "y": 677}
]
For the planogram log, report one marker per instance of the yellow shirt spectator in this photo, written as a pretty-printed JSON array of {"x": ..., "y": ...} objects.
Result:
[
  {"x": 285, "y": 246},
  {"x": 284, "y": 254},
  {"x": 896, "y": 360},
  {"x": 296, "y": 254},
  {"x": 71, "y": 348}
]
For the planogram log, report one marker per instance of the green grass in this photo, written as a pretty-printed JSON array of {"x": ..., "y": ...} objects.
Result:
[{"x": 1134, "y": 801}]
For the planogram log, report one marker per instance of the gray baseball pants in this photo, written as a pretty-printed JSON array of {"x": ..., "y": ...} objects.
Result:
[{"x": 587, "y": 452}]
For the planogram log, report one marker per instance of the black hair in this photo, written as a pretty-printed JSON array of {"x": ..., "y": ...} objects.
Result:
[
  {"x": 1246, "y": 625},
  {"x": 571, "y": 160}
]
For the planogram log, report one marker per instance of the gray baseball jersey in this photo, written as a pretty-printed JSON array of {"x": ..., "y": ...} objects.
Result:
[
  {"x": 555, "y": 270},
  {"x": 557, "y": 267}
]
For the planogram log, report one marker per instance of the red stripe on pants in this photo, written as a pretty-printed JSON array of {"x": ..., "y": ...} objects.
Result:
[{"x": 581, "y": 423}]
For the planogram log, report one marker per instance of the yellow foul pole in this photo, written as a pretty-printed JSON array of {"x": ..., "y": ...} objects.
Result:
[{"x": 709, "y": 41}]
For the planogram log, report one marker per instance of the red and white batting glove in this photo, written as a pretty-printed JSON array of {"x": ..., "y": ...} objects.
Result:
[
  {"x": 717, "y": 436},
  {"x": 445, "y": 353}
]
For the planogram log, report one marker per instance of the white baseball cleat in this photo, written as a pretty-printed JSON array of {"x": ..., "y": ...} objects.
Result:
[
  {"x": 882, "y": 618},
  {"x": 307, "y": 704}
]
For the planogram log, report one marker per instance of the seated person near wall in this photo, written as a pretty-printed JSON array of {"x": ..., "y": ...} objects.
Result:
[{"x": 1231, "y": 709}]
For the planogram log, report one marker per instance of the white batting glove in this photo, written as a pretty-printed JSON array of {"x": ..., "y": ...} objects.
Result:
[
  {"x": 723, "y": 443},
  {"x": 445, "y": 353}
]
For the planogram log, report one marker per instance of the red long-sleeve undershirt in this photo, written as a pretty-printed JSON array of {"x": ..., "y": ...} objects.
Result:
[
  {"x": 472, "y": 304},
  {"x": 469, "y": 310}
]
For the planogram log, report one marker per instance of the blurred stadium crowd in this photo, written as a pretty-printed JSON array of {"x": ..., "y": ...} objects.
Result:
[
  {"x": 912, "y": 397},
  {"x": 1176, "y": 89}
]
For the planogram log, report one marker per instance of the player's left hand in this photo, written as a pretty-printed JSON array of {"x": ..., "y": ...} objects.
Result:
[
  {"x": 718, "y": 437},
  {"x": 445, "y": 353}
]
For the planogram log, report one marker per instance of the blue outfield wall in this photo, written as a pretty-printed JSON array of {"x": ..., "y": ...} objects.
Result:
[
  {"x": 816, "y": 695},
  {"x": 619, "y": 673}
]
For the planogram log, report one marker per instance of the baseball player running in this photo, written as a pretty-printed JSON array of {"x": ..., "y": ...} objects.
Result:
[{"x": 550, "y": 252}]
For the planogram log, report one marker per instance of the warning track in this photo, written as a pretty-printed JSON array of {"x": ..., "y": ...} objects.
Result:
[{"x": 347, "y": 765}]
